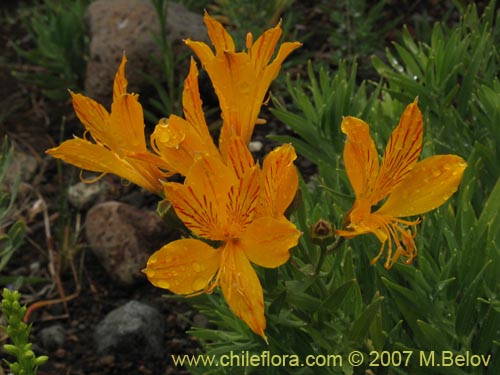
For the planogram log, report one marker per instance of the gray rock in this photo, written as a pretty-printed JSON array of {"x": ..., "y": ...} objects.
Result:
[
  {"x": 134, "y": 329},
  {"x": 255, "y": 146},
  {"x": 52, "y": 337},
  {"x": 82, "y": 195},
  {"x": 116, "y": 26},
  {"x": 22, "y": 168},
  {"x": 123, "y": 237}
]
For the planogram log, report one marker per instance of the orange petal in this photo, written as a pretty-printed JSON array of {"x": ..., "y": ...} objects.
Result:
[
  {"x": 401, "y": 153},
  {"x": 360, "y": 155},
  {"x": 242, "y": 290},
  {"x": 184, "y": 266},
  {"x": 177, "y": 142},
  {"x": 126, "y": 125},
  {"x": 279, "y": 181},
  {"x": 154, "y": 161},
  {"x": 201, "y": 201},
  {"x": 240, "y": 106},
  {"x": 267, "y": 241},
  {"x": 220, "y": 38},
  {"x": 427, "y": 186},
  {"x": 93, "y": 116},
  {"x": 242, "y": 202},
  {"x": 251, "y": 77},
  {"x": 271, "y": 71},
  {"x": 266, "y": 76},
  {"x": 263, "y": 48},
  {"x": 192, "y": 104},
  {"x": 86, "y": 155},
  {"x": 210, "y": 177},
  {"x": 96, "y": 158},
  {"x": 120, "y": 83},
  {"x": 169, "y": 133},
  {"x": 227, "y": 132},
  {"x": 239, "y": 156},
  {"x": 360, "y": 220},
  {"x": 204, "y": 53}
]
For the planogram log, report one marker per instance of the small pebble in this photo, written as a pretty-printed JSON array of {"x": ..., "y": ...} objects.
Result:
[
  {"x": 255, "y": 146},
  {"x": 52, "y": 337}
]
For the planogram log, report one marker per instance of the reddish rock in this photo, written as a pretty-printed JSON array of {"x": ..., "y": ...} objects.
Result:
[{"x": 123, "y": 237}]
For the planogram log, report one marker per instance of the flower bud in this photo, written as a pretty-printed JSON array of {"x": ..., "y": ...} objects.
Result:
[
  {"x": 322, "y": 232},
  {"x": 41, "y": 360}
]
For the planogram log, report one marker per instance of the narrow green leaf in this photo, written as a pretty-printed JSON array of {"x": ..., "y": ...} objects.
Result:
[
  {"x": 433, "y": 337},
  {"x": 359, "y": 328},
  {"x": 336, "y": 297}
]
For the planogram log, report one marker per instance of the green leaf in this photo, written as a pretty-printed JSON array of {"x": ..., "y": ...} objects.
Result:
[
  {"x": 360, "y": 327},
  {"x": 433, "y": 338},
  {"x": 336, "y": 297},
  {"x": 490, "y": 211},
  {"x": 466, "y": 317}
]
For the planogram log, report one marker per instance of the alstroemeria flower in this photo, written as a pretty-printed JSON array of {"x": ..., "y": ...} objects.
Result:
[
  {"x": 116, "y": 136},
  {"x": 242, "y": 208},
  {"x": 240, "y": 79},
  {"x": 412, "y": 187}
]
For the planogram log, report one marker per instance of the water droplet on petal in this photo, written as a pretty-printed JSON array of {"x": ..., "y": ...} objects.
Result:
[
  {"x": 196, "y": 267},
  {"x": 436, "y": 172},
  {"x": 198, "y": 284},
  {"x": 164, "y": 137},
  {"x": 163, "y": 284}
]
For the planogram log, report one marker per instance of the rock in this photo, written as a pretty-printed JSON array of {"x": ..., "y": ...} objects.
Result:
[
  {"x": 134, "y": 329},
  {"x": 116, "y": 26},
  {"x": 255, "y": 146},
  {"x": 122, "y": 237},
  {"x": 200, "y": 321},
  {"x": 82, "y": 195},
  {"x": 22, "y": 168},
  {"x": 52, "y": 337}
]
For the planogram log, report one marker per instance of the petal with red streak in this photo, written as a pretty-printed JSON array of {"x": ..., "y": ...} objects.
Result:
[
  {"x": 360, "y": 155},
  {"x": 242, "y": 290}
]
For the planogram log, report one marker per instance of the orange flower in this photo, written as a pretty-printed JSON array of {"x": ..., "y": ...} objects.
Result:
[
  {"x": 116, "y": 135},
  {"x": 241, "y": 207},
  {"x": 413, "y": 187},
  {"x": 240, "y": 79}
]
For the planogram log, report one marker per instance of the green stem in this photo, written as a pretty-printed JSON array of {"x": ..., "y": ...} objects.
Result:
[{"x": 334, "y": 246}]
